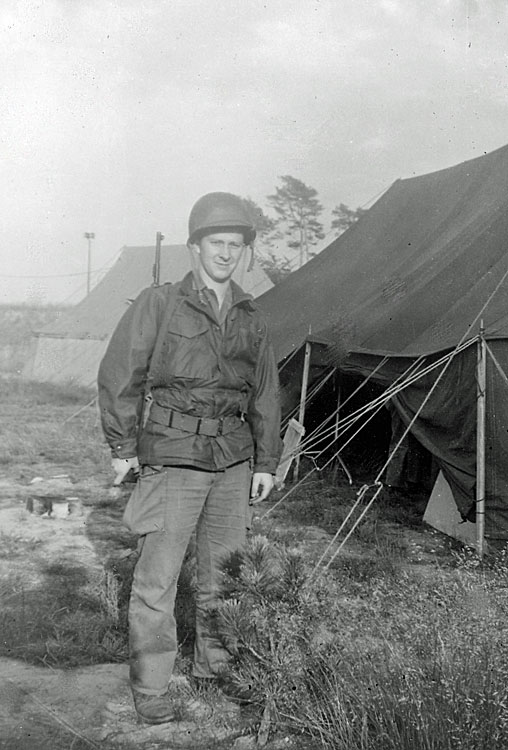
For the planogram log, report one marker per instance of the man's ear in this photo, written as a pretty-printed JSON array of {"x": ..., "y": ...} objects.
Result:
[{"x": 194, "y": 246}]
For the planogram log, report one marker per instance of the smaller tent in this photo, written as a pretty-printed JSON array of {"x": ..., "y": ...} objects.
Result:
[{"x": 70, "y": 350}]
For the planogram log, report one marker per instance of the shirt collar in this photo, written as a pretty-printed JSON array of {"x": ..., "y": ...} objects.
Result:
[{"x": 193, "y": 282}]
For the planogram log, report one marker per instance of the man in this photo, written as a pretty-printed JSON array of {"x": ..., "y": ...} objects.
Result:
[{"x": 210, "y": 441}]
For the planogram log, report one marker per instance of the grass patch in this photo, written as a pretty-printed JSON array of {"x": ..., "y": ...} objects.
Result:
[
  {"x": 27, "y": 394},
  {"x": 414, "y": 664},
  {"x": 16, "y": 545},
  {"x": 68, "y": 616},
  {"x": 325, "y": 500},
  {"x": 41, "y": 427},
  {"x": 64, "y": 614}
]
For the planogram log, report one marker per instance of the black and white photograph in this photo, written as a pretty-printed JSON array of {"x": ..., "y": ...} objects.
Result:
[{"x": 254, "y": 375}]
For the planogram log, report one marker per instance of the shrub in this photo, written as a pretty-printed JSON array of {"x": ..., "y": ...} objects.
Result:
[{"x": 271, "y": 621}]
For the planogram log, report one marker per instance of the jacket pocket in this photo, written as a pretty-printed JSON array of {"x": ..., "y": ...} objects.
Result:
[
  {"x": 243, "y": 350},
  {"x": 186, "y": 350},
  {"x": 144, "y": 512}
]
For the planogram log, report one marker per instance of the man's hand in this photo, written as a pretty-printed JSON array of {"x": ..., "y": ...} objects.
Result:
[
  {"x": 261, "y": 486},
  {"x": 122, "y": 466}
]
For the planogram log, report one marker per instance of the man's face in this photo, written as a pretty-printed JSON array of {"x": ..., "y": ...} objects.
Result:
[{"x": 219, "y": 255}]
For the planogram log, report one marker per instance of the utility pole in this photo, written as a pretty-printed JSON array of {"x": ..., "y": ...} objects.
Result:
[
  {"x": 89, "y": 236},
  {"x": 156, "y": 271}
]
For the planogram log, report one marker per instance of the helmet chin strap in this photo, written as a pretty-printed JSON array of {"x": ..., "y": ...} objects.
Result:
[
  {"x": 251, "y": 261},
  {"x": 193, "y": 253}
]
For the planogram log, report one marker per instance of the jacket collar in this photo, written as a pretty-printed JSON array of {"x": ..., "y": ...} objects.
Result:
[{"x": 189, "y": 287}]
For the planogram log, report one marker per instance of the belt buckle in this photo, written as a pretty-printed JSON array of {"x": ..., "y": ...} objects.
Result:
[{"x": 220, "y": 427}]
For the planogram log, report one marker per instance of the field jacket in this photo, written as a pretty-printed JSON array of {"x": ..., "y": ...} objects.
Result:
[{"x": 203, "y": 369}]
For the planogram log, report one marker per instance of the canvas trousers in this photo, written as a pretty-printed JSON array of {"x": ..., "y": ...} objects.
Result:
[{"x": 215, "y": 505}]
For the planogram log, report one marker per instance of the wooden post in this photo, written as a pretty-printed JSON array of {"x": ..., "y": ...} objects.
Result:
[
  {"x": 303, "y": 399},
  {"x": 481, "y": 380}
]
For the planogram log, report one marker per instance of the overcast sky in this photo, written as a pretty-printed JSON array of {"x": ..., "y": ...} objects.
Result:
[{"x": 118, "y": 114}]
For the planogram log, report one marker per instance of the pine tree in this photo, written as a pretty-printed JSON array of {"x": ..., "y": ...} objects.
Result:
[
  {"x": 298, "y": 210},
  {"x": 268, "y": 619},
  {"x": 265, "y": 225},
  {"x": 268, "y": 238},
  {"x": 345, "y": 217}
]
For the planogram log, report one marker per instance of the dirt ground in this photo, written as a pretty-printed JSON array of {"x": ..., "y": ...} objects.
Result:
[{"x": 42, "y": 708}]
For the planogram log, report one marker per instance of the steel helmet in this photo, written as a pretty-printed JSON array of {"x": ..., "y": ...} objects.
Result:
[{"x": 215, "y": 212}]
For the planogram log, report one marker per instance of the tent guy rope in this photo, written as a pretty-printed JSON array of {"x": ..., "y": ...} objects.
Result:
[
  {"x": 463, "y": 342},
  {"x": 336, "y": 411},
  {"x": 316, "y": 468},
  {"x": 377, "y": 481}
]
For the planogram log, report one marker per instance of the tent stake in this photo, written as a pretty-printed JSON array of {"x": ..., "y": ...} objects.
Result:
[
  {"x": 303, "y": 398},
  {"x": 481, "y": 379}
]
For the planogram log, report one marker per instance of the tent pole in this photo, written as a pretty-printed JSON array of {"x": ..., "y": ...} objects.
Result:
[
  {"x": 339, "y": 398},
  {"x": 337, "y": 420},
  {"x": 303, "y": 399},
  {"x": 481, "y": 380}
]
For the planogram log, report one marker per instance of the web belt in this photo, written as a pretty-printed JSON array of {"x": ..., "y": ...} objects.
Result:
[{"x": 195, "y": 425}]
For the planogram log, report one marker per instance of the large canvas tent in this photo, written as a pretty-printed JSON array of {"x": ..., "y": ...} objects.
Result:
[
  {"x": 70, "y": 350},
  {"x": 409, "y": 282}
]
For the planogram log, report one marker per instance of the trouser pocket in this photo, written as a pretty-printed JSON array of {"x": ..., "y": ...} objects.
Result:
[{"x": 144, "y": 512}]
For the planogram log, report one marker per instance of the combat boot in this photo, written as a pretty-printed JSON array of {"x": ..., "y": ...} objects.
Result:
[{"x": 154, "y": 709}]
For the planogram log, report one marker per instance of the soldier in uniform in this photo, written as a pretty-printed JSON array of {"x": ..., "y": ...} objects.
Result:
[{"x": 208, "y": 447}]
